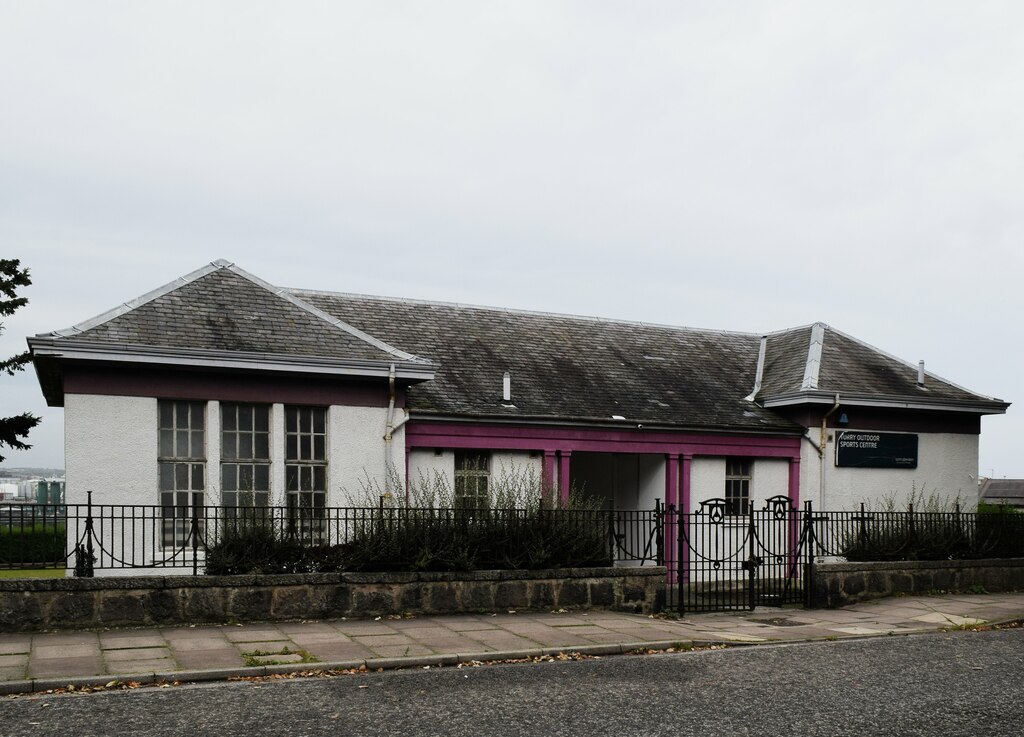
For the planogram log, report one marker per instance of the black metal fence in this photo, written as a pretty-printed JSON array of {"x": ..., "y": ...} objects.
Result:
[
  {"x": 717, "y": 559},
  {"x": 85, "y": 538}
]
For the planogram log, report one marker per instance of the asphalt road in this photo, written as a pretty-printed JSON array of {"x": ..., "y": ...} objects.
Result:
[{"x": 961, "y": 683}]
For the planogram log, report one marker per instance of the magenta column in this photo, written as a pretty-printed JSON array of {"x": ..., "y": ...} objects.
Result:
[
  {"x": 684, "y": 510},
  {"x": 794, "y": 482},
  {"x": 794, "y": 498},
  {"x": 563, "y": 474},
  {"x": 548, "y": 474},
  {"x": 671, "y": 503}
]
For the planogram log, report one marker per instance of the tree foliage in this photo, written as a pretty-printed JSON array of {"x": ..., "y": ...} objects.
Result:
[{"x": 14, "y": 430}]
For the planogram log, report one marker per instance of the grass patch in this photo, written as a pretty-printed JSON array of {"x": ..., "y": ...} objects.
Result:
[
  {"x": 33, "y": 573},
  {"x": 254, "y": 658}
]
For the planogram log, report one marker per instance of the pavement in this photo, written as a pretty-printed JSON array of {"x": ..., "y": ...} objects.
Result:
[{"x": 33, "y": 662}]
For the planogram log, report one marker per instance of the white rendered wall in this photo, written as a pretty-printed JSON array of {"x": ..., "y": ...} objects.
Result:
[
  {"x": 110, "y": 448},
  {"x": 768, "y": 477},
  {"x": 427, "y": 467},
  {"x": 947, "y": 467},
  {"x": 357, "y": 469}
]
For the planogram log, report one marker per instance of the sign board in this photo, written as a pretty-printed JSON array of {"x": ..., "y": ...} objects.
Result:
[{"x": 861, "y": 449}]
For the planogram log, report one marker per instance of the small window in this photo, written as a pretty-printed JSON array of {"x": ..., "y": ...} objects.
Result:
[
  {"x": 472, "y": 476},
  {"x": 737, "y": 487}
]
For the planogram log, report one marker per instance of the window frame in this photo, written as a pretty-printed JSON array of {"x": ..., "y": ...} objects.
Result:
[
  {"x": 306, "y": 506},
  {"x": 472, "y": 467},
  {"x": 176, "y": 465},
  {"x": 739, "y": 476},
  {"x": 249, "y": 423}
]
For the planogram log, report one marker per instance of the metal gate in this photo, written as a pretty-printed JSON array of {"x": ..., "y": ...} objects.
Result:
[{"x": 727, "y": 558}]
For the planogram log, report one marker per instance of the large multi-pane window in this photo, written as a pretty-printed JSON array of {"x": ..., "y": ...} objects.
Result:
[
  {"x": 305, "y": 468},
  {"x": 245, "y": 455},
  {"x": 472, "y": 476},
  {"x": 737, "y": 487},
  {"x": 182, "y": 467}
]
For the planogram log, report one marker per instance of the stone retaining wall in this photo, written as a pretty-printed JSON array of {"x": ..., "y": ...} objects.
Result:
[
  {"x": 27, "y": 604},
  {"x": 839, "y": 584}
]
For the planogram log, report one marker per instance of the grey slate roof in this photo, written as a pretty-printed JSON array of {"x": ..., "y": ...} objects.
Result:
[
  {"x": 566, "y": 367},
  {"x": 848, "y": 367},
  {"x": 785, "y": 359},
  {"x": 996, "y": 490},
  {"x": 563, "y": 367},
  {"x": 223, "y": 310}
]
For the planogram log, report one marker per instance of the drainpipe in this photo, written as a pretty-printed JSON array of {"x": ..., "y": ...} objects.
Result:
[
  {"x": 821, "y": 450},
  {"x": 389, "y": 425}
]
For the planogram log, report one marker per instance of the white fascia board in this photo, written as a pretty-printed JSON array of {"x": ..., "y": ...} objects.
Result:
[
  {"x": 994, "y": 406},
  {"x": 227, "y": 360}
]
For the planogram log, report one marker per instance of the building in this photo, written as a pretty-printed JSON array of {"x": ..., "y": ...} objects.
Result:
[
  {"x": 222, "y": 389},
  {"x": 1009, "y": 492}
]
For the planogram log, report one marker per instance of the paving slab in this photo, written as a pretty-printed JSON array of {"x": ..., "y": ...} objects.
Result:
[{"x": 386, "y": 642}]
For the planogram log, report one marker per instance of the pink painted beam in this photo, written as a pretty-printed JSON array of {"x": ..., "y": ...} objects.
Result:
[
  {"x": 684, "y": 511},
  {"x": 563, "y": 475},
  {"x": 548, "y": 474}
]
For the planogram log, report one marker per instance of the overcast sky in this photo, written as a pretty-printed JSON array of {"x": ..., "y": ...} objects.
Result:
[{"x": 747, "y": 166}]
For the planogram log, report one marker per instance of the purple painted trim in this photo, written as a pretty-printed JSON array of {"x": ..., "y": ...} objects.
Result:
[
  {"x": 235, "y": 386},
  {"x": 425, "y": 434},
  {"x": 794, "y": 497},
  {"x": 563, "y": 475},
  {"x": 548, "y": 474}
]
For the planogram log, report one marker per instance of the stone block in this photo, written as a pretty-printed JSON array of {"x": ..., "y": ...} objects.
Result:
[
  {"x": 440, "y": 598},
  {"x": 410, "y": 597},
  {"x": 290, "y": 602},
  {"x": 249, "y": 604},
  {"x": 73, "y": 608},
  {"x": 119, "y": 608},
  {"x": 878, "y": 583},
  {"x": 476, "y": 596},
  {"x": 373, "y": 600},
  {"x": 853, "y": 585},
  {"x": 602, "y": 593},
  {"x": 542, "y": 595},
  {"x": 511, "y": 595},
  {"x": 161, "y": 606},
  {"x": 20, "y": 610},
  {"x": 572, "y": 594}
]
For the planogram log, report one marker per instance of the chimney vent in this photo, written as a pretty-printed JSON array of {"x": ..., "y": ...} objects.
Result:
[
  {"x": 506, "y": 387},
  {"x": 920, "y": 373}
]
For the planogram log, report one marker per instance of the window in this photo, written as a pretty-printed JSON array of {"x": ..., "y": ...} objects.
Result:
[
  {"x": 305, "y": 469},
  {"x": 182, "y": 467},
  {"x": 245, "y": 455},
  {"x": 472, "y": 475},
  {"x": 737, "y": 487}
]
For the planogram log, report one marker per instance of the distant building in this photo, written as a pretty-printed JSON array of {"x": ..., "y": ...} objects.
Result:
[{"x": 1002, "y": 491}]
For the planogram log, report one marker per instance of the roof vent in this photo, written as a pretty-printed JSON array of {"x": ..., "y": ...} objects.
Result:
[
  {"x": 506, "y": 387},
  {"x": 920, "y": 373}
]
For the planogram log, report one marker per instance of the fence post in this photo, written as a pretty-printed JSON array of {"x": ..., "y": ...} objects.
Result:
[
  {"x": 809, "y": 542},
  {"x": 195, "y": 538},
  {"x": 84, "y": 557},
  {"x": 751, "y": 558},
  {"x": 659, "y": 535},
  {"x": 682, "y": 574}
]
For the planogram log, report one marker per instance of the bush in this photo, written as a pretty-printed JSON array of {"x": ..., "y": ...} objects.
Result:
[
  {"x": 35, "y": 545},
  {"x": 524, "y": 528}
]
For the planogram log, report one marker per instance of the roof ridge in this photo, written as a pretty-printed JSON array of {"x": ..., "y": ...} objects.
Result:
[
  {"x": 909, "y": 364},
  {"x": 812, "y": 367},
  {"x": 132, "y": 304},
  {"x": 218, "y": 265},
  {"x": 520, "y": 311},
  {"x": 355, "y": 332}
]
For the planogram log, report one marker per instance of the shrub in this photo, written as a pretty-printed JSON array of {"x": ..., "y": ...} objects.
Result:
[
  {"x": 524, "y": 527},
  {"x": 37, "y": 544}
]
